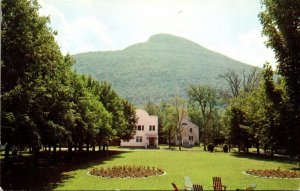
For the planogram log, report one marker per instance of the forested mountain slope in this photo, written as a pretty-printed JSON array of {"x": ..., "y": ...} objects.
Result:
[{"x": 158, "y": 69}]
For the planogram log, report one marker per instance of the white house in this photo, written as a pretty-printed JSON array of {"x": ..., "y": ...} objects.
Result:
[
  {"x": 189, "y": 133},
  {"x": 146, "y": 135}
]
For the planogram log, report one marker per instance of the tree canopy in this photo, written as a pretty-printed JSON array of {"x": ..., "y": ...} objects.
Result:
[
  {"x": 281, "y": 25},
  {"x": 45, "y": 102}
]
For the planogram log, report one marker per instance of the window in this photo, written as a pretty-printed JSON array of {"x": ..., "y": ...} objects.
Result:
[
  {"x": 139, "y": 139},
  {"x": 191, "y": 138},
  {"x": 142, "y": 127},
  {"x": 152, "y": 128},
  {"x": 191, "y": 130},
  {"x": 139, "y": 127},
  {"x": 183, "y": 124}
]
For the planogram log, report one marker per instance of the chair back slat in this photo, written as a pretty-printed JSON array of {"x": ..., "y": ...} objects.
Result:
[
  {"x": 197, "y": 187},
  {"x": 217, "y": 183}
]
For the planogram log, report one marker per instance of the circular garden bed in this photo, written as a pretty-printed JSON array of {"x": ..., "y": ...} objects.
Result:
[
  {"x": 273, "y": 173},
  {"x": 126, "y": 172}
]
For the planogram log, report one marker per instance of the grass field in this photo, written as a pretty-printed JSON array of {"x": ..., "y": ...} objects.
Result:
[{"x": 198, "y": 165}]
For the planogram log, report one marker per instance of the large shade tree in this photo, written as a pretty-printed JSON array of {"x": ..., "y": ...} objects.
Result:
[
  {"x": 281, "y": 24},
  {"x": 203, "y": 98},
  {"x": 32, "y": 71}
]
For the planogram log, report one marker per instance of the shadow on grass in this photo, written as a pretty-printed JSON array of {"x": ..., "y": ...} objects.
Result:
[
  {"x": 296, "y": 169},
  {"x": 170, "y": 149},
  {"x": 27, "y": 173},
  {"x": 264, "y": 157}
]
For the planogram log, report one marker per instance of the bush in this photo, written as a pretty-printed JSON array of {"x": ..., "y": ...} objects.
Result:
[
  {"x": 211, "y": 147},
  {"x": 225, "y": 148}
]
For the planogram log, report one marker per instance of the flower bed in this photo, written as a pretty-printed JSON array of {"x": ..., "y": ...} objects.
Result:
[
  {"x": 126, "y": 172},
  {"x": 274, "y": 173}
]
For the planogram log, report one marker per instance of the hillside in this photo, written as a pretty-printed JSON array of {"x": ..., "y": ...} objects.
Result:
[{"x": 158, "y": 69}]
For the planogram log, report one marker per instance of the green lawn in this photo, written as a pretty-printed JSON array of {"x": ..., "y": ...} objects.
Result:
[{"x": 198, "y": 165}]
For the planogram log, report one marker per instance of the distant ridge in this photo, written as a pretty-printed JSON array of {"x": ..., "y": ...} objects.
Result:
[{"x": 158, "y": 69}]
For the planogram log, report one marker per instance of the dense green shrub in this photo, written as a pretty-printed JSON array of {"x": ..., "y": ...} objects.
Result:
[
  {"x": 225, "y": 148},
  {"x": 211, "y": 147}
]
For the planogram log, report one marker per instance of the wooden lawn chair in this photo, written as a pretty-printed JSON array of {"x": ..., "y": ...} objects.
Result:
[
  {"x": 174, "y": 186},
  {"x": 188, "y": 185},
  {"x": 197, "y": 187},
  {"x": 217, "y": 184}
]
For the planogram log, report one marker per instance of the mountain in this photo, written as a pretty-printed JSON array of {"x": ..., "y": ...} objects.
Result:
[{"x": 160, "y": 68}]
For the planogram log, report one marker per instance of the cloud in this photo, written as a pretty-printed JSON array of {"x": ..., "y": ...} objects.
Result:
[
  {"x": 86, "y": 32},
  {"x": 252, "y": 44},
  {"x": 249, "y": 48},
  {"x": 80, "y": 34}
]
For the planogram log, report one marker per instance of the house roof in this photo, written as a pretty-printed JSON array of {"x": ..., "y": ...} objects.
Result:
[
  {"x": 186, "y": 123},
  {"x": 144, "y": 114}
]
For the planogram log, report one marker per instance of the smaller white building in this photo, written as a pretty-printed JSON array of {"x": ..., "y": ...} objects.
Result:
[
  {"x": 189, "y": 133},
  {"x": 146, "y": 135}
]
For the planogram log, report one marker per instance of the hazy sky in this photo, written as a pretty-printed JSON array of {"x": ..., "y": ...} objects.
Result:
[{"x": 230, "y": 27}]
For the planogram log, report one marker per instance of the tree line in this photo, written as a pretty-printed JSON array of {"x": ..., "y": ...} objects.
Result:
[
  {"x": 44, "y": 102},
  {"x": 251, "y": 113}
]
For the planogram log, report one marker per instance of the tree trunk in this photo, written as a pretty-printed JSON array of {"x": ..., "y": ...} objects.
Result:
[
  {"x": 69, "y": 156},
  {"x": 94, "y": 147},
  {"x": 99, "y": 148},
  {"x": 272, "y": 152},
  {"x": 59, "y": 147},
  {"x": 36, "y": 155},
  {"x": 87, "y": 147},
  {"x": 7, "y": 148},
  {"x": 80, "y": 147},
  {"x": 257, "y": 148},
  {"x": 169, "y": 139},
  {"x": 179, "y": 142},
  {"x": 69, "y": 147},
  {"x": 54, "y": 152},
  {"x": 204, "y": 143}
]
